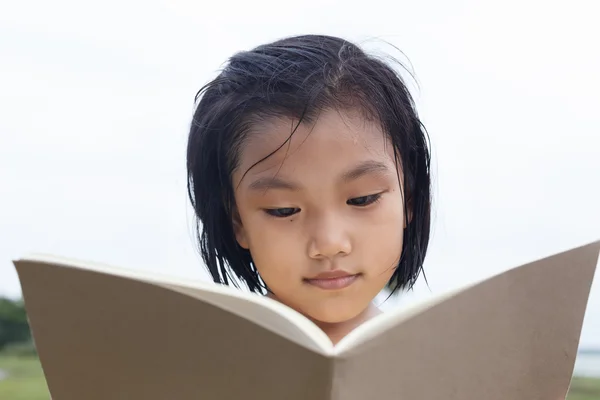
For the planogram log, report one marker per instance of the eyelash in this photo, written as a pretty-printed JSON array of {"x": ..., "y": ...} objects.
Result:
[{"x": 367, "y": 200}]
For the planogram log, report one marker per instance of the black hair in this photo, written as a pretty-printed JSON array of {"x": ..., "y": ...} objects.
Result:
[{"x": 298, "y": 77}]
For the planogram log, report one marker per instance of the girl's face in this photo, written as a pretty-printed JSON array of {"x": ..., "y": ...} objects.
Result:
[{"x": 323, "y": 217}]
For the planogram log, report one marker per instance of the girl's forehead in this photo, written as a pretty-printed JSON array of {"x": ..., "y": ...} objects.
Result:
[
  {"x": 335, "y": 140},
  {"x": 332, "y": 129}
]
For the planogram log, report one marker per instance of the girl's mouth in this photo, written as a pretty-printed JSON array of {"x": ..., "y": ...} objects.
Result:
[{"x": 332, "y": 280}]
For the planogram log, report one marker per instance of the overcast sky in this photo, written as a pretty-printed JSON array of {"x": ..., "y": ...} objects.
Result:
[{"x": 96, "y": 102}]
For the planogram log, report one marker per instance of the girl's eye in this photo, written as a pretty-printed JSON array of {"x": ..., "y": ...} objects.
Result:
[
  {"x": 282, "y": 212},
  {"x": 364, "y": 201}
]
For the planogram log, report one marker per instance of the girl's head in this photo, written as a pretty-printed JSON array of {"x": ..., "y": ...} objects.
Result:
[{"x": 306, "y": 157}]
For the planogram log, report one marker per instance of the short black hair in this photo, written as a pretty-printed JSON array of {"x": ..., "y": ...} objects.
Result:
[{"x": 298, "y": 77}]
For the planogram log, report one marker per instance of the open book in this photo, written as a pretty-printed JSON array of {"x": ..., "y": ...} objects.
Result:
[{"x": 107, "y": 333}]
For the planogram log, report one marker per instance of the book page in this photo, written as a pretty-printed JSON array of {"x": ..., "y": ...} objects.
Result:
[
  {"x": 268, "y": 314},
  {"x": 513, "y": 336},
  {"x": 101, "y": 336},
  {"x": 261, "y": 310}
]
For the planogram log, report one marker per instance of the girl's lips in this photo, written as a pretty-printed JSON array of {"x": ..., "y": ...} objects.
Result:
[{"x": 333, "y": 283}]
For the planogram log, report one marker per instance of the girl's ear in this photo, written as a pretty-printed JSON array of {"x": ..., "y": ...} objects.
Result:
[
  {"x": 239, "y": 231},
  {"x": 409, "y": 213},
  {"x": 408, "y": 208},
  {"x": 408, "y": 217},
  {"x": 407, "y": 199}
]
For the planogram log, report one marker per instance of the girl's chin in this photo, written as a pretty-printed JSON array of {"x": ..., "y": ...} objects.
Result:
[
  {"x": 333, "y": 314},
  {"x": 342, "y": 315}
]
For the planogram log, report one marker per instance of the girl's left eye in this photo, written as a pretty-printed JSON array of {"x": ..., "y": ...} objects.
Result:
[
  {"x": 364, "y": 201},
  {"x": 282, "y": 212}
]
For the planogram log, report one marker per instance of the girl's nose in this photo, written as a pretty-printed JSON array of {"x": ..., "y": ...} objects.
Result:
[{"x": 329, "y": 238}]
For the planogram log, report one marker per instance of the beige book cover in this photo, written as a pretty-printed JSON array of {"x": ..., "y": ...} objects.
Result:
[{"x": 109, "y": 333}]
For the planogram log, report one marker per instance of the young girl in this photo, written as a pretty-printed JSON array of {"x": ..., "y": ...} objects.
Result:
[{"x": 308, "y": 169}]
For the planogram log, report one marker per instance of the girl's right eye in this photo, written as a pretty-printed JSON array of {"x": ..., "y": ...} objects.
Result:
[{"x": 282, "y": 212}]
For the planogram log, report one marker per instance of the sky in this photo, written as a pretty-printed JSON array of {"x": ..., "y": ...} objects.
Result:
[{"x": 96, "y": 102}]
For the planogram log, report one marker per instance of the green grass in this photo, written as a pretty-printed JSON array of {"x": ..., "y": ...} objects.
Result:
[
  {"x": 26, "y": 381},
  {"x": 584, "y": 389}
]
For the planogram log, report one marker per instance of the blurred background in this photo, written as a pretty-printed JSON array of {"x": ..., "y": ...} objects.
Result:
[{"x": 96, "y": 100}]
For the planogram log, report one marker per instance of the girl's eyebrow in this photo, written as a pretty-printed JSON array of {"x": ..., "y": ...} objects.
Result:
[
  {"x": 364, "y": 168},
  {"x": 272, "y": 182}
]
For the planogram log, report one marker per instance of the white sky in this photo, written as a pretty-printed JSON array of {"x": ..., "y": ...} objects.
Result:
[{"x": 96, "y": 101}]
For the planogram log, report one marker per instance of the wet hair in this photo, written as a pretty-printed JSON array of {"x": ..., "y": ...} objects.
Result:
[{"x": 299, "y": 77}]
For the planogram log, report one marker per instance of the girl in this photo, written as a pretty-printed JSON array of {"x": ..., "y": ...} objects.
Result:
[{"x": 308, "y": 170}]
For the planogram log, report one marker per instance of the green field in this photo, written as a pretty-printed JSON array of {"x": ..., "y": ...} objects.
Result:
[
  {"x": 585, "y": 389},
  {"x": 26, "y": 381}
]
